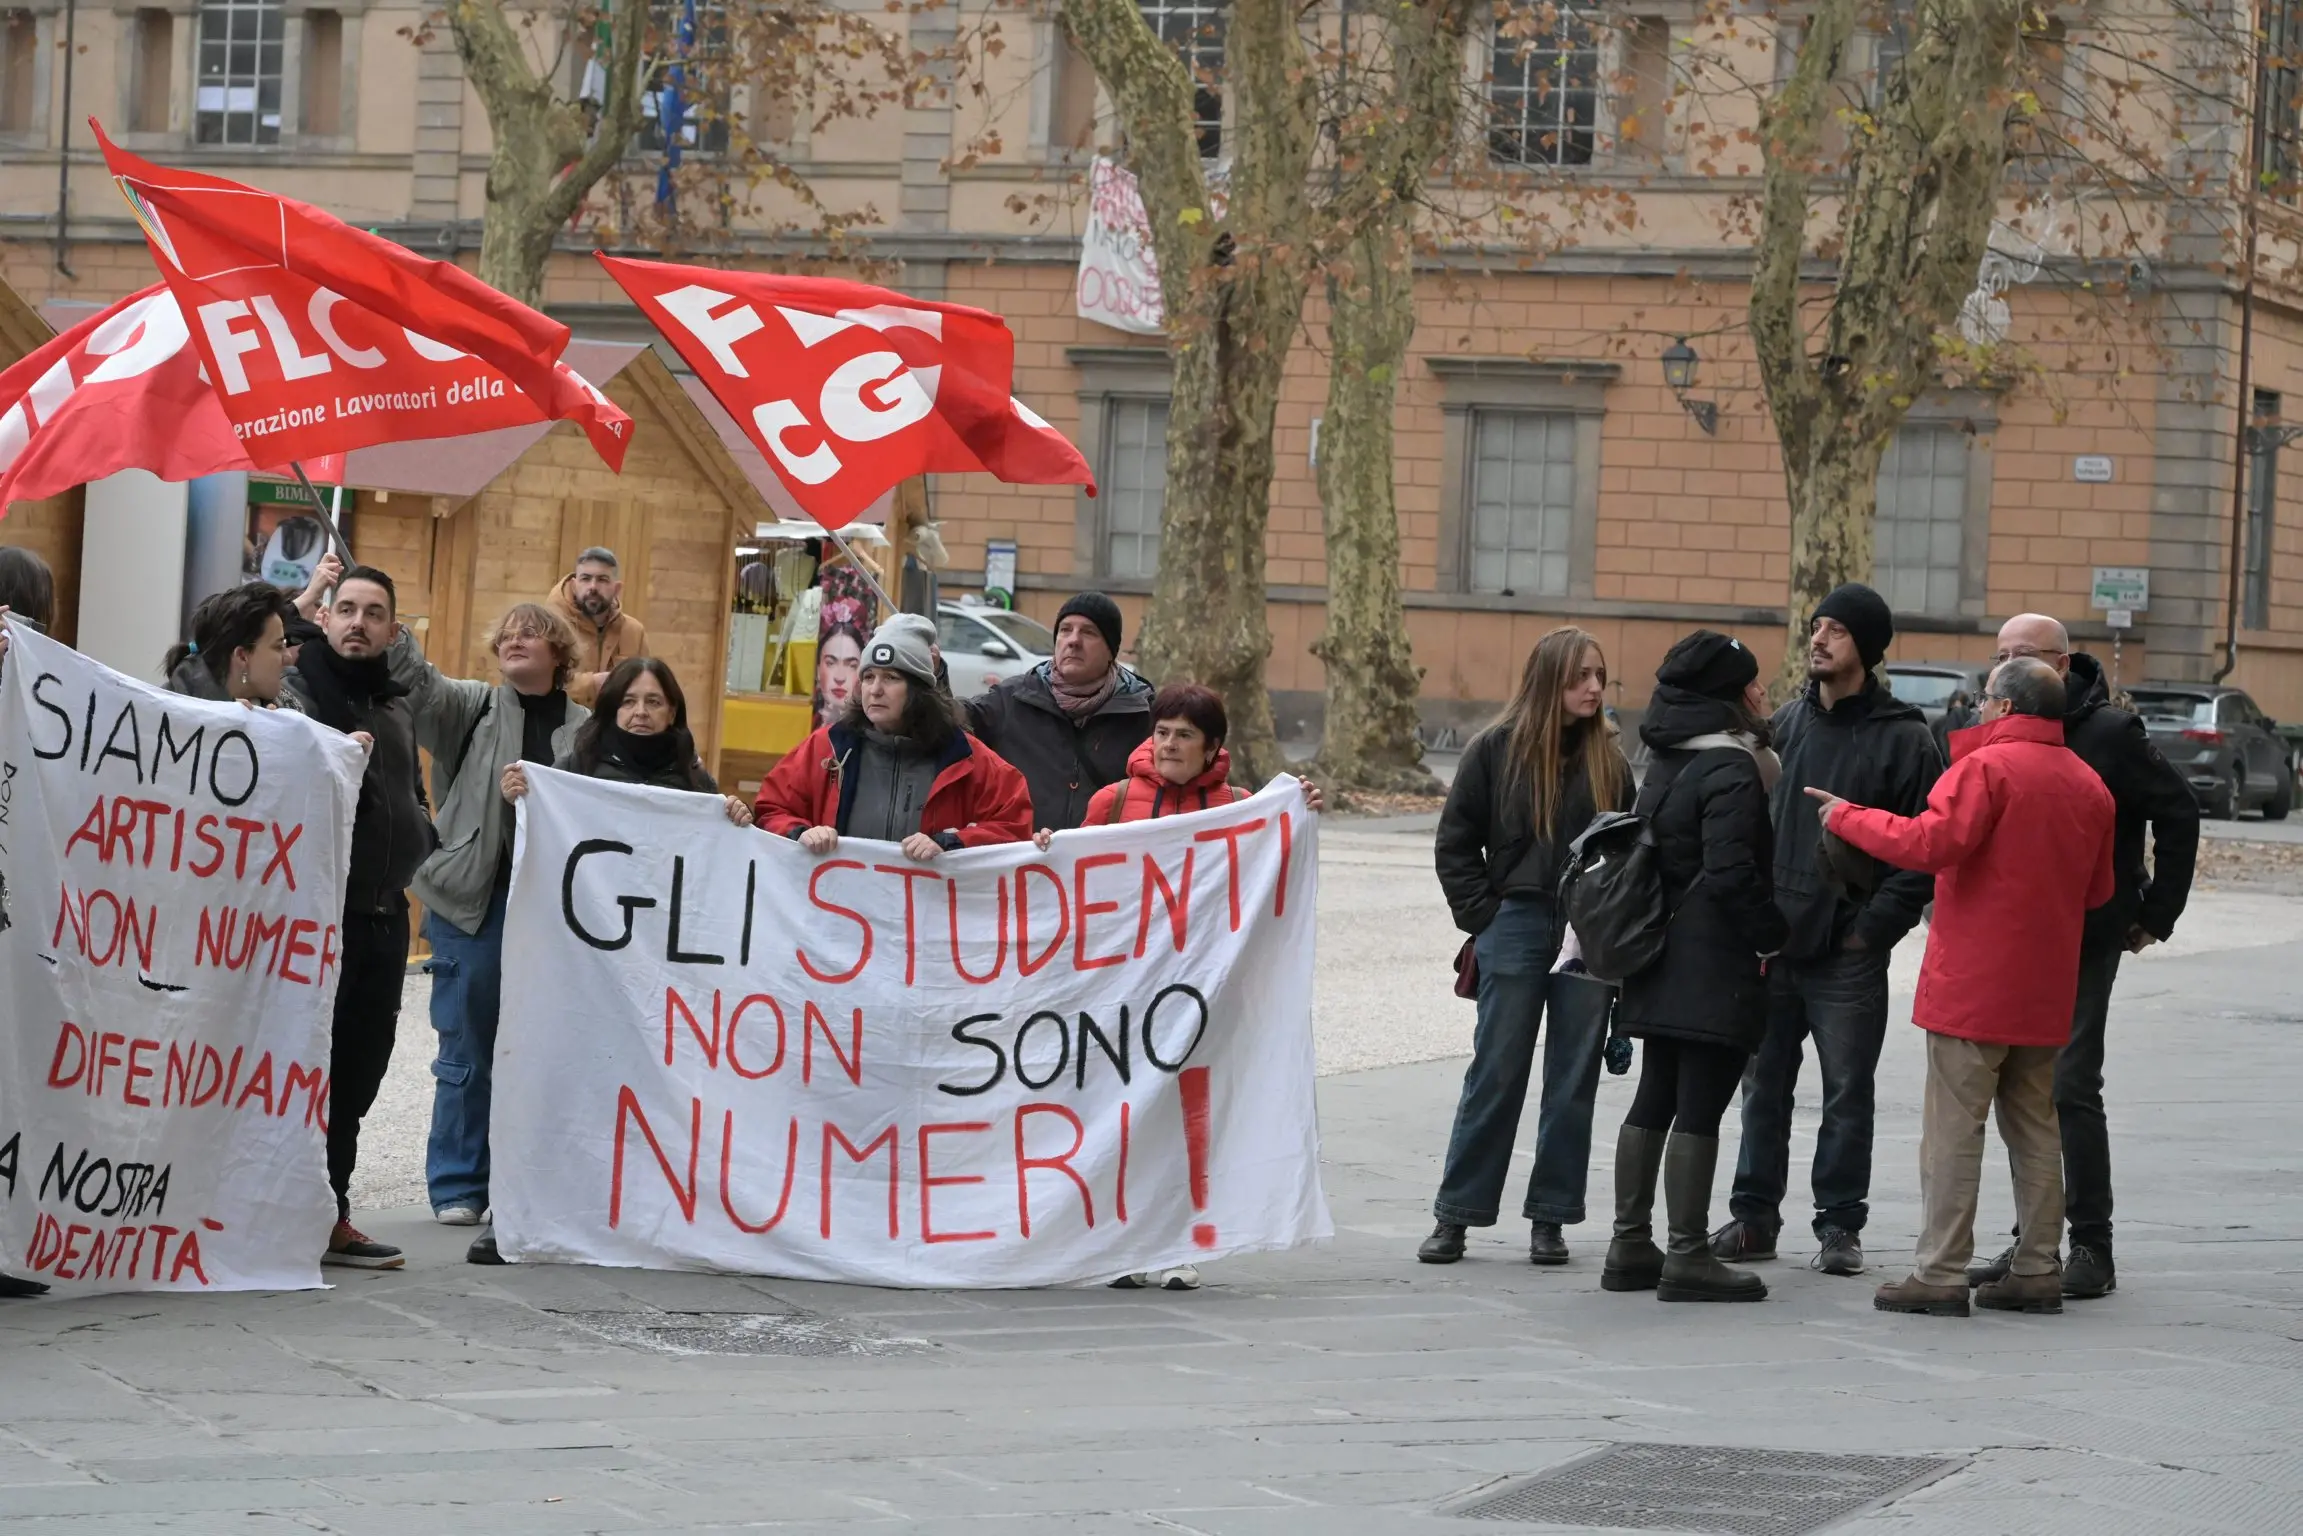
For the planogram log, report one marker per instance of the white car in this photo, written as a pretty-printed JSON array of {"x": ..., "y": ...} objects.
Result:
[{"x": 983, "y": 646}]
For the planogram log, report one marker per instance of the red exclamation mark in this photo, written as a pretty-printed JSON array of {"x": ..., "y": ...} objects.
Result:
[{"x": 1192, "y": 1082}]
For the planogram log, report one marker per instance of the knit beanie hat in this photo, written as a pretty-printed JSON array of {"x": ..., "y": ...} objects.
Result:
[
  {"x": 1098, "y": 610},
  {"x": 897, "y": 646},
  {"x": 1866, "y": 617},
  {"x": 1709, "y": 663}
]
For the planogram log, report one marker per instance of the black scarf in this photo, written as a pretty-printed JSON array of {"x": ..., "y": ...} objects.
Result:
[
  {"x": 340, "y": 687},
  {"x": 649, "y": 755}
]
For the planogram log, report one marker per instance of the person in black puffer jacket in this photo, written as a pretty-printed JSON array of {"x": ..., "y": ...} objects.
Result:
[
  {"x": 1526, "y": 788},
  {"x": 1701, "y": 1009},
  {"x": 638, "y": 734},
  {"x": 1070, "y": 724}
]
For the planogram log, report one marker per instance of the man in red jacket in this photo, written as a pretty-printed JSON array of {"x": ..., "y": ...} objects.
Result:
[{"x": 2018, "y": 835}]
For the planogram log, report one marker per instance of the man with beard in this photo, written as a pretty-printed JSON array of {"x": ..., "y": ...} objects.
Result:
[
  {"x": 591, "y": 598},
  {"x": 2147, "y": 899},
  {"x": 346, "y": 684},
  {"x": 1848, "y": 735},
  {"x": 1071, "y": 723}
]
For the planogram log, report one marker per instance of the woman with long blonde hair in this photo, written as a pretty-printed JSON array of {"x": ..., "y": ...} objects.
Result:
[{"x": 1527, "y": 787}]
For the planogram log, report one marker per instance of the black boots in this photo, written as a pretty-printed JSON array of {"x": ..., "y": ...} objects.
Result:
[
  {"x": 1634, "y": 1263},
  {"x": 1444, "y": 1246},
  {"x": 1690, "y": 1273},
  {"x": 1544, "y": 1244}
]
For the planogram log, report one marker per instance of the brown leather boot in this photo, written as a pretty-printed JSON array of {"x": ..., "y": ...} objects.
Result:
[
  {"x": 2022, "y": 1293},
  {"x": 1912, "y": 1294}
]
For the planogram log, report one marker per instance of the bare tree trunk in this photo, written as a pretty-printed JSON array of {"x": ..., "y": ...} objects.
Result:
[
  {"x": 547, "y": 156},
  {"x": 1234, "y": 292},
  {"x": 1369, "y": 740},
  {"x": 1928, "y": 171}
]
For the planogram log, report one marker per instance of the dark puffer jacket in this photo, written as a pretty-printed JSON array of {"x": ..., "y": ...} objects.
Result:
[
  {"x": 1065, "y": 764},
  {"x": 1870, "y": 748},
  {"x": 1708, "y": 808},
  {"x": 2147, "y": 789}
]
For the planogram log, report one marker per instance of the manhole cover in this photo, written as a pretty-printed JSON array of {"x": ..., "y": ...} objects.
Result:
[
  {"x": 1712, "y": 1489},
  {"x": 737, "y": 1333}
]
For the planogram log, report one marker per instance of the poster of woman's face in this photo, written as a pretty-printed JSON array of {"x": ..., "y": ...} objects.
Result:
[{"x": 839, "y": 661}]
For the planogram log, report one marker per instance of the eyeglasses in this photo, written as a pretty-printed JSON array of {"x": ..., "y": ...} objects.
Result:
[{"x": 2023, "y": 652}]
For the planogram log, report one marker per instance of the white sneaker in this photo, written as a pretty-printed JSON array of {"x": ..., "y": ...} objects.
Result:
[
  {"x": 457, "y": 1216},
  {"x": 1181, "y": 1278}
]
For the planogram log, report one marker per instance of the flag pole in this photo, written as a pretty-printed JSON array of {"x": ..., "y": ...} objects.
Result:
[
  {"x": 864, "y": 570},
  {"x": 328, "y": 513}
]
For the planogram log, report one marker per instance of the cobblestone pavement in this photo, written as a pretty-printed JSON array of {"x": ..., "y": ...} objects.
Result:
[{"x": 1335, "y": 1391}]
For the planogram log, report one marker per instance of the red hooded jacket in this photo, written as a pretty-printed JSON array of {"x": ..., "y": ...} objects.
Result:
[
  {"x": 977, "y": 799},
  {"x": 2018, "y": 836},
  {"x": 1145, "y": 793}
]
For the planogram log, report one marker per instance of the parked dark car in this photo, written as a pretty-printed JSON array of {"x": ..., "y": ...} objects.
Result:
[
  {"x": 1927, "y": 686},
  {"x": 2230, "y": 752}
]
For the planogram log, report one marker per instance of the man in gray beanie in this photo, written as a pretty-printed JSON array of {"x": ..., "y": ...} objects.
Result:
[
  {"x": 1847, "y": 734},
  {"x": 1071, "y": 723}
]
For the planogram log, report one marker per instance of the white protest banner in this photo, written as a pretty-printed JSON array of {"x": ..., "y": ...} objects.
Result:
[
  {"x": 171, "y": 878},
  {"x": 1119, "y": 276},
  {"x": 998, "y": 1068}
]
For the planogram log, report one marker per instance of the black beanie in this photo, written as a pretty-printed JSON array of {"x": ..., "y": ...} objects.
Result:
[
  {"x": 1866, "y": 617},
  {"x": 1098, "y": 610},
  {"x": 1707, "y": 662}
]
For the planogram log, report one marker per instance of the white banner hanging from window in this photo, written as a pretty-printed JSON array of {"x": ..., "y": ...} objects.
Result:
[{"x": 1119, "y": 277}]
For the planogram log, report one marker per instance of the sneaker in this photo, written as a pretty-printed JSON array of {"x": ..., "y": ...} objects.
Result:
[
  {"x": 1444, "y": 1246},
  {"x": 355, "y": 1249},
  {"x": 2089, "y": 1273},
  {"x": 1183, "y": 1277},
  {"x": 1743, "y": 1242},
  {"x": 1544, "y": 1244},
  {"x": 1841, "y": 1253},
  {"x": 2022, "y": 1293},
  {"x": 457, "y": 1215},
  {"x": 1992, "y": 1269},
  {"x": 483, "y": 1251},
  {"x": 1913, "y": 1294}
]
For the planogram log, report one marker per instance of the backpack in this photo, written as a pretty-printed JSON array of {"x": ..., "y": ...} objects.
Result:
[
  {"x": 1612, "y": 895},
  {"x": 1612, "y": 889}
]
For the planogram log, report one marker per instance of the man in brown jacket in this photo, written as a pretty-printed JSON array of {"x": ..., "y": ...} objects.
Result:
[{"x": 590, "y": 600}]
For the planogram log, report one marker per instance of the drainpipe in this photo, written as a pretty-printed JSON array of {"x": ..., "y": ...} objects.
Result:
[{"x": 64, "y": 146}]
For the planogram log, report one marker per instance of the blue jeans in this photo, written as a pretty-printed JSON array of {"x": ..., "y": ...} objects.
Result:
[
  {"x": 1841, "y": 1001},
  {"x": 467, "y": 982},
  {"x": 1515, "y": 957}
]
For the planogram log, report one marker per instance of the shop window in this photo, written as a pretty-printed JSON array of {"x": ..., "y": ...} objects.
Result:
[
  {"x": 237, "y": 99},
  {"x": 1919, "y": 538}
]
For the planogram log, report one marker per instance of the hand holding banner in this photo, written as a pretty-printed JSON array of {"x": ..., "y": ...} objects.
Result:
[
  {"x": 1001, "y": 1068},
  {"x": 319, "y": 337},
  {"x": 849, "y": 389},
  {"x": 171, "y": 880}
]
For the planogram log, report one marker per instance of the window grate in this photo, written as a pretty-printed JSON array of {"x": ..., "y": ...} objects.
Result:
[
  {"x": 1714, "y": 1490},
  {"x": 238, "y": 97},
  {"x": 1543, "y": 86},
  {"x": 1522, "y": 502},
  {"x": 1134, "y": 489},
  {"x": 1919, "y": 539}
]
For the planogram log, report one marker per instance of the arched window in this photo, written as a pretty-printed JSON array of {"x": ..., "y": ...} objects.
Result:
[{"x": 238, "y": 101}]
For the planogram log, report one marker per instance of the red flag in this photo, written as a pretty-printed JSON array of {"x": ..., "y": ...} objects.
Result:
[
  {"x": 321, "y": 338},
  {"x": 849, "y": 389},
  {"x": 120, "y": 390}
]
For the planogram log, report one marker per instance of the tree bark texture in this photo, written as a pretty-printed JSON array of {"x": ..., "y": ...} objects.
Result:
[
  {"x": 1926, "y": 177},
  {"x": 548, "y": 152},
  {"x": 1234, "y": 291},
  {"x": 1386, "y": 146}
]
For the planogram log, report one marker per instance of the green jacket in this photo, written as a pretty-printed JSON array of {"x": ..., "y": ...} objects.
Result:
[{"x": 472, "y": 729}]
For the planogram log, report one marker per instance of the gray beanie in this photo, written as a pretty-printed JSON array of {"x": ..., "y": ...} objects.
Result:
[{"x": 899, "y": 646}]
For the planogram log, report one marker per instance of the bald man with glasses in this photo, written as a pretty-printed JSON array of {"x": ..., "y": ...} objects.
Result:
[{"x": 2148, "y": 794}]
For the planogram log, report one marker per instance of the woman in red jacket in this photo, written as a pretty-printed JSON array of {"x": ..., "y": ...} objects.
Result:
[
  {"x": 896, "y": 767},
  {"x": 1181, "y": 767}
]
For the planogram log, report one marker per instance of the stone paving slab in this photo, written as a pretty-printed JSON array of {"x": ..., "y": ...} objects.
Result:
[{"x": 1336, "y": 1391}]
